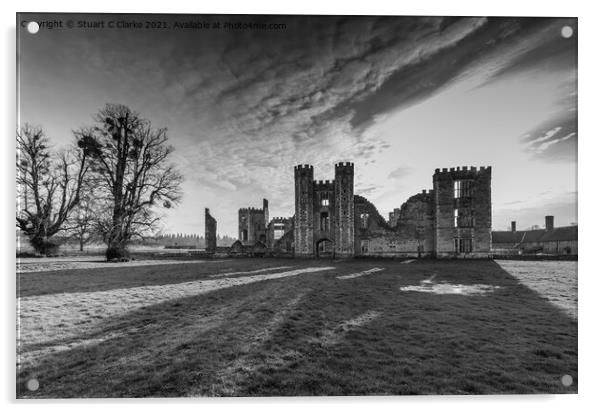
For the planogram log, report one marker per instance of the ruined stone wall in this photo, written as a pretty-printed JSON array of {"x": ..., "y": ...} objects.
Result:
[
  {"x": 411, "y": 236},
  {"x": 251, "y": 221},
  {"x": 286, "y": 223},
  {"x": 210, "y": 232},
  {"x": 473, "y": 210}
]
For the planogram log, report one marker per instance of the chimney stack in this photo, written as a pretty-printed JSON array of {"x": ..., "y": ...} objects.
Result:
[
  {"x": 513, "y": 225},
  {"x": 549, "y": 222}
]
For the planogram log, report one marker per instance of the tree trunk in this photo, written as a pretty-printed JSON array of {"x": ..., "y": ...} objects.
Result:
[
  {"x": 81, "y": 243},
  {"x": 43, "y": 246},
  {"x": 117, "y": 252}
]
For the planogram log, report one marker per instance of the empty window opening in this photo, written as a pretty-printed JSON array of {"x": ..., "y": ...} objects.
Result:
[
  {"x": 463, "y": 245},
  {"x": 324, "y": 221},
  {"x": 278, "y": 230},
  {"x": 364, "y": 218},
  {"x": 364, "y": 246},
  {"x": 462, "y": 189},
  {"x": 463, "y": 218},
  {"x": 324, "y": 200}
]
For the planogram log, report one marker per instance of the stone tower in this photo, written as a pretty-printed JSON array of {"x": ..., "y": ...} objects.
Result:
[
  {"x": 462, "y": 208},
  {"x": 304, "y": 213},
  {"x": 344, "y": 230}
]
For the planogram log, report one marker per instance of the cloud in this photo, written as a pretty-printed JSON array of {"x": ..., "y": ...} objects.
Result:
[{"x": 399, "y": 173}]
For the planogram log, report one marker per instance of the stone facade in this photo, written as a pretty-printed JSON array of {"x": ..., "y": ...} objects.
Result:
[
  {"x": 451, "y": 220},
  {"x": 462, "y": 206},
  {"x": 210, "y": 232},
  {"x": 324, "y": 213},
  {"x": 276, "y": 230},
  {"x": 252, "y": 224}
]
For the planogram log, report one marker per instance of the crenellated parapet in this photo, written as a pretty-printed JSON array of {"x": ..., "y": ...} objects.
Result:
[
  {"x": 321, "y": 185},
  {"x": 280, "y": 219},
  {"x": 343, "y": 168},
  {"x": 464, "y": 172},
  {"x": 304, "y": 170}
]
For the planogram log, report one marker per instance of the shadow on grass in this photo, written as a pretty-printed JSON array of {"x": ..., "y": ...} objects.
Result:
[
  {"x": 112, "y": 277},
  {"x": 268, "y": 338}
]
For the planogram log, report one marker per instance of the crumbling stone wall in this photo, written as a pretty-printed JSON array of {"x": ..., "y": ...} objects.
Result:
[
  {"x": 252, "y": 224},
  {"x": 277, "y": 228},
  {"x": 411, "y": 236},
  {"x": 330, "y": 218},
  {"x": 210, "y": 232}
]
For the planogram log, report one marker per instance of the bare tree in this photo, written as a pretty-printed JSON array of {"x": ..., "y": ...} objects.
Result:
[
  {"x": 49, "y": 186},
  {"x": 131, "y": 166},
  {"x": 82, "y": 226}
]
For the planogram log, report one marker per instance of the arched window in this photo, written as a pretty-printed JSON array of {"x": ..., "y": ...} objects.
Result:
[{"x": 364, "y": 219}]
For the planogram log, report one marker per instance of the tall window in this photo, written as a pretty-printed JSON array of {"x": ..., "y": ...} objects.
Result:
[
  {"x": 364, "y": 246},
  {"x": 463, "y": 245},
  {"x": 278, "y": 230},
  {"x": 463, "y": 218},
  {"x": 364, "y": 218},
  {"x": 462, "y": 188},
  {"x": 324, "y": 201},
  {"x": 324, "y": 221}
]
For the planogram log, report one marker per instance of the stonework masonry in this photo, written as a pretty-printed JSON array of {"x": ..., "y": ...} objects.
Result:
[
  {"x": 462, "y": 205},
  {"x": 252, "y": 224},
  {"x": 451, "y": 220},
  {"x": 210, "y": 232}
]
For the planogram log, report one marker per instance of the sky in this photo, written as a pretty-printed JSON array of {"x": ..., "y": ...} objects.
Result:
[{"x": 398, "y": 96}]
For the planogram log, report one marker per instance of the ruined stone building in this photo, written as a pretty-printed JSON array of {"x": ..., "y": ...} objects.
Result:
[
  {"x": 210, "y": 232},
  {"x": 324, "y": 221},
  {"x": 252, "y": 224},
  {"x": 451, "y": 220},
  {"x": 277, "y": 231}
]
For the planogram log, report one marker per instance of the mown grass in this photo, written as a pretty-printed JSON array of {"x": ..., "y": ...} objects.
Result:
[{"x": 314, "y": 334}]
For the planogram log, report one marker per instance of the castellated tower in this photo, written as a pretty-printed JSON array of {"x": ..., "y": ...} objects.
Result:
[
  {"x": 304, "y": 211},
  {"x": 462, "y": 209},
  {"x": 344, "y": 229}
]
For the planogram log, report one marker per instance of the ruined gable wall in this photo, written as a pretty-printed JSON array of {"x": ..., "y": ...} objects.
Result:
[{"x": 412, "y": 235}]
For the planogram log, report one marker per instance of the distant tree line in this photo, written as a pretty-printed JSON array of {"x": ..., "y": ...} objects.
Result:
[{"x": 108, "y": 185}]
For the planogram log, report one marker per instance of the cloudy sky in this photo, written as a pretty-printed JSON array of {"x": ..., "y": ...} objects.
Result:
[{"x": 397, "y": 96}]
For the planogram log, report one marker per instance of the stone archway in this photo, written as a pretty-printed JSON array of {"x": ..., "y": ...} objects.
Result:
[{"x": 325, "y": 248}]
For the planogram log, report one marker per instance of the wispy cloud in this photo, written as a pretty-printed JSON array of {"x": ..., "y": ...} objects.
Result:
[{"x": 243, "y": 107}]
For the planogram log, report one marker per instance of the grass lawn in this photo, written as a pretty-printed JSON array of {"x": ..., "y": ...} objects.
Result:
[{"x": 268, "y": 327}]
